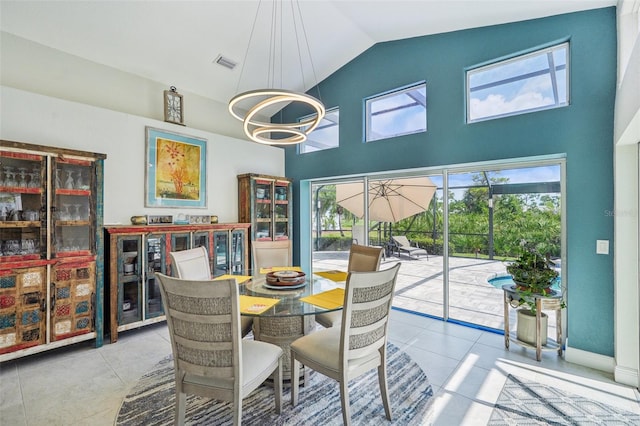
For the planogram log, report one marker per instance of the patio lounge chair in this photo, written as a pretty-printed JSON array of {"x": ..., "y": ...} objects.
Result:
[{"x": 403, "y": 245}]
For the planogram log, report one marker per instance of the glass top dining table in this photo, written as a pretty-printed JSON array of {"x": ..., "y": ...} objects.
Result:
[{"x": 290, "y": 303}]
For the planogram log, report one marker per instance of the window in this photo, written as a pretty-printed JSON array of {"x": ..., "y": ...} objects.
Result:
[
  {"x": 325, "y": 136},
  {"x": 401, "y": 112},
  {"x": 532, "y": 82}
]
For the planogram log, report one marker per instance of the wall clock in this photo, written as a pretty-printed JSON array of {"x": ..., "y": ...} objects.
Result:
[{"x": 173, "y": 107}]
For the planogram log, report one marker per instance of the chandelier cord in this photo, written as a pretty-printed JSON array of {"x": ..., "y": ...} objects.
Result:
[
  {"x": 261, "y": 100},
  {"x": 306, "y": 41},
  {"x": 246, "y": 53}
]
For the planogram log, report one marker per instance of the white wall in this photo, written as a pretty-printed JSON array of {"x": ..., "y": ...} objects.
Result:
[
  {"x": 35, "y": 68},
  {"x": 627, "y": 216},
  {"x": 43, "y": 120}
]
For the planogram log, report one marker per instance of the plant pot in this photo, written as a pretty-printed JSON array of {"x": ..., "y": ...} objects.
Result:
[
  {"x": 527, "y": 288},
  {"x": 526, "y": 327}
]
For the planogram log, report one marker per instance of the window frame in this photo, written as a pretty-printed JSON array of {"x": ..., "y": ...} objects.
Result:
[
  {"x": 548, "y": 50},
  {"x": 394, "y": 92},
  {"x": 303, "y": 145}
]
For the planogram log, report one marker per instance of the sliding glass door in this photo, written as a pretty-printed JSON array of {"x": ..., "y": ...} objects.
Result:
[{"x": 459, "y": 243}]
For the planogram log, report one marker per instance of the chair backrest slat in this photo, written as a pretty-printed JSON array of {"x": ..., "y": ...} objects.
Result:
[
  {"x": 365, "y": 317},
  {"x": 203, "y": 317}
]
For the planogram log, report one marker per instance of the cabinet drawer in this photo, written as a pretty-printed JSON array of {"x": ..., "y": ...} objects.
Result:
[
  {"x": 72, "y": 299},
  {"x": 22, "y": 306}
]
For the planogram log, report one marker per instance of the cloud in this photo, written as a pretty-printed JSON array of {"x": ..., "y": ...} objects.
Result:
[{"x": 496, "y": 104}]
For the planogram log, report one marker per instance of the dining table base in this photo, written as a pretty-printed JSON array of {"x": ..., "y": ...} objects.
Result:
[{"x": 282, "y": 331}]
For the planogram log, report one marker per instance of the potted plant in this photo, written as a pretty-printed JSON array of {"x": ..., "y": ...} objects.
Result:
[{"x": 533, "y": 274}]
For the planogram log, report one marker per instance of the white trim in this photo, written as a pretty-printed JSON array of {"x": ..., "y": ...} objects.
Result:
[
  {"x": 626, "y": 376},
  {"x": 589, "y": 359}
]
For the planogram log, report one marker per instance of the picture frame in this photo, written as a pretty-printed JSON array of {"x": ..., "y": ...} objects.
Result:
[{"x": 175, "y": 170}]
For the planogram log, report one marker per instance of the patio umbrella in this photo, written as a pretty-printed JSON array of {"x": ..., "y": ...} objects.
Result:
[{"x": 390, "y": 200}]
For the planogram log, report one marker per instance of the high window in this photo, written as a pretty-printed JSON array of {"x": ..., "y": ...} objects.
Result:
[
  {"x": 532, "y": 82},
  {"x": 325, "y": 136},
  {"x": 397, "y": 113}
]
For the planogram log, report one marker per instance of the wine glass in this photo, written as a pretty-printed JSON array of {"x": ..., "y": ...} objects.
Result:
[
  {"x": 65, "y": 214},
  {"x": 80, "y": 181},
  {"x": 68, "y": 184},
  {"x": 23, "y": 177},
  {"x": 35, "y": 178},
  {"x": 9, "y": 176},
  {"x": 77, "y": 216},
  {"x": 58, "y": 181}
]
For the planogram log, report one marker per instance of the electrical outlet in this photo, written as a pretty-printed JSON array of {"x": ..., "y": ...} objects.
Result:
[{"x": 602, "y": 247}]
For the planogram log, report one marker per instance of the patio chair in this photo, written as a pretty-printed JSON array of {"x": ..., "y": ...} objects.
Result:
[
  {"x": 193, "y": 264},
  {"x": 358, "y": 345},
  {"x": 403, "y": 245}
]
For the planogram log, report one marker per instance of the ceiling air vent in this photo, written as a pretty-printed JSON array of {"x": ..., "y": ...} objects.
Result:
[{"x": 225, "y": 62}]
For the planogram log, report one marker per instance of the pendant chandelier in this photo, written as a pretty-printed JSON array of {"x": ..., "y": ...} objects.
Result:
[{"x": 250, "y": 105}]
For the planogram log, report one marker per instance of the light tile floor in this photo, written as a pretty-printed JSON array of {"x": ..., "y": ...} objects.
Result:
[{"x": 82, "y": 385}]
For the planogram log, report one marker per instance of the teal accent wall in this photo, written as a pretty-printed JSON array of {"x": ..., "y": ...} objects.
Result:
[{"x": 583, "y": 132}]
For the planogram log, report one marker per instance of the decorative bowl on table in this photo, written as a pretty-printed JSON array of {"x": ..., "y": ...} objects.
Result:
[{"x": 285, "y": 278}]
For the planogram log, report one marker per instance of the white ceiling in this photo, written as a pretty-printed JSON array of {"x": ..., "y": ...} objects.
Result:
[{"x": 176, "y": 42}]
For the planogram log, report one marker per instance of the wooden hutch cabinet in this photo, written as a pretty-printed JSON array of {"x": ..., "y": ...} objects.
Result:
[
  {"x": 51, "y": 248},
  {"x": 265, "y": 202},
  {"x": 137, "y": 252}
]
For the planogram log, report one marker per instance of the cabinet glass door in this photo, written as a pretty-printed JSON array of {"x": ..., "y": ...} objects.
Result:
[
  {"x": 220, "y": 252},
  {"x": 264, "y": 209},
  {"x": 202, "y": 239},
  {"x": 281, "y": 210},
  {"x": 156, "y": 262},
  {"x": 129, "y": 279},
  {"x": 72, "y": 184},
  {"x": 22, "y": 202},
  {"x": 236, "y": 264},
  {"x": 180, "y": 242}
]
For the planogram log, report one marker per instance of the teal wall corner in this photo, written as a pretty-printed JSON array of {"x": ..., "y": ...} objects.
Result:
[{"x": 582, "y": 132}]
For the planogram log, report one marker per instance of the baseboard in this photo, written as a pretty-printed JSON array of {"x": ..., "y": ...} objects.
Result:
[
  {"x": 589, "y": 359},
  {"x": 626, "y": 376}
]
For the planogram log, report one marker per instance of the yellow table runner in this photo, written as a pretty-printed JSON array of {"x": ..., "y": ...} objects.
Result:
[
  {"x": 330, "y": 299},
  {"x": 239, "y": 278},
  {"x": 256, "y": 305},
  {"x": 280, "y": 268},
  {"x": 336, "y": 276}
]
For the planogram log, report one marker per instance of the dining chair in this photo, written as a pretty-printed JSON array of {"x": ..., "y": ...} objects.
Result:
[
  {"x": 210, "y": 357},
  {"x": 193, "y": 264},
  {"x": 270, "y": 253},
  {"x": 358, "y": 345},
  {"x": 361, "y": 259}
]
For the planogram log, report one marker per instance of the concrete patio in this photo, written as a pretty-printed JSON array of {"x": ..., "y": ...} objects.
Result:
[{"x": 420, "y": 286}]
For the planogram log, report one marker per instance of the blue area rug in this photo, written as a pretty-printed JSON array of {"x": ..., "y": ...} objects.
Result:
[
  {"x": 523, "y": 402},
  {"x": 151, "y": 401}
]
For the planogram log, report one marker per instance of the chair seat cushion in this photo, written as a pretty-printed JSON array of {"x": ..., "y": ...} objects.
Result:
[
  {"x": 414, "y": 250},
  {"x": 323, "y": 347},
  {"x": 258, "y": 362},
  {"x": 329, "y": 319}
]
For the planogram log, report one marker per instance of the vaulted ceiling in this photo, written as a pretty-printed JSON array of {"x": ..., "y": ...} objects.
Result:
[{"x": 177, "y": 42}]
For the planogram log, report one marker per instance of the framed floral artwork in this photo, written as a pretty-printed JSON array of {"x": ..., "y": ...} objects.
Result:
[{"x": 176, "y": 170}]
